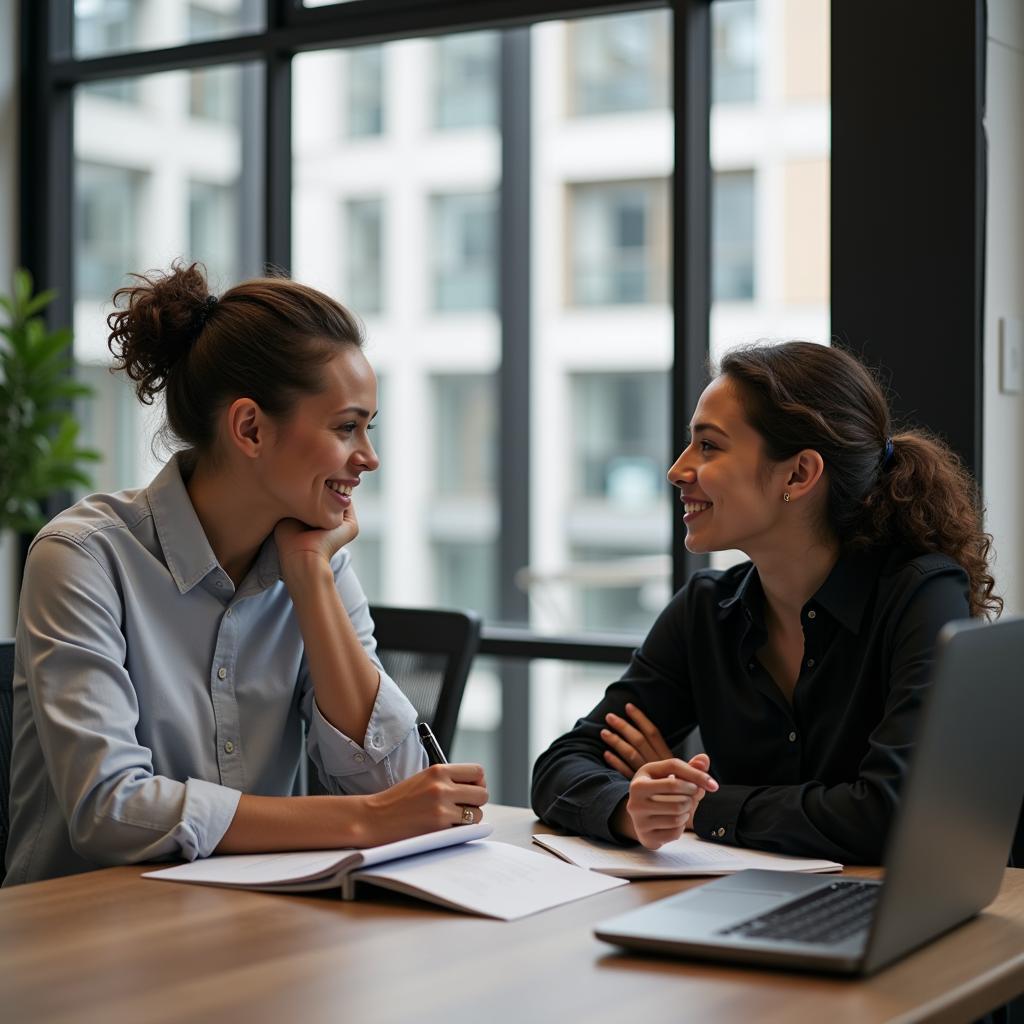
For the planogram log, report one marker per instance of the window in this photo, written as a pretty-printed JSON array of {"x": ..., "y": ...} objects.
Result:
[
  {"x": 107, "y": 201},
  {"x": 732, "y": 225},
  {"x": 466, "y": 576},
  {"x": 363, "y": 255},
  {"x": 734, "y": 51},
  {"x": 466, "y": 80},
  {"x": 103, "y": 27},
  {"x": 365, "y": 78},
  {"x": 619, "y": 240},
  {"x": 466, "y": 435},
  {"x": 620, "y": 63},
  {"x": 463, "y": 248},
  {"x": 620, "y": 429},
  {"x": 213, "y": 230}
]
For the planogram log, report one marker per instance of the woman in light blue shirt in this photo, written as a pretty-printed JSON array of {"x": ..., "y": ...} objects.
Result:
[{"x": 172, "y": 639}]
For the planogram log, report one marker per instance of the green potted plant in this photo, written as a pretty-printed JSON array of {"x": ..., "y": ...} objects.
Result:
[{"x": 39, "y": 445}]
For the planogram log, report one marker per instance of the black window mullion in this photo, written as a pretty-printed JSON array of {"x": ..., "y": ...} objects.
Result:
[
  {"x": 514, "y": 308},
  {"x": 691, "y": 235},
  {"x": 278, "y": 163}
]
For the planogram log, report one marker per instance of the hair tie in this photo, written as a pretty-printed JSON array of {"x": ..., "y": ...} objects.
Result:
[
  {"x": 887, "y": 453},
  {"x": 208, "y": 305}
]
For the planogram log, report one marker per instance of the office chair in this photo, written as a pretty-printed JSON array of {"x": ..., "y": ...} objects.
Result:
[
  {"x": 428, "y": 653},
  {"x": 6, "y": 728}
]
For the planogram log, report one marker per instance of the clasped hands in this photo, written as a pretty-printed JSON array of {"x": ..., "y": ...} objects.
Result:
[{"x": 664, "y": 790}]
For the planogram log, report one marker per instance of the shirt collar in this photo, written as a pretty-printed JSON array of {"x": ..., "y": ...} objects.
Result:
[
  {"x": 844, "y": 594},
  {"x": 849, "y": 586},
  {"x": 187, "y": 552}
]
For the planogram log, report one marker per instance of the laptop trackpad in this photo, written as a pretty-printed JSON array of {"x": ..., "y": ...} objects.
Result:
[{"x": 738, "y": 905}]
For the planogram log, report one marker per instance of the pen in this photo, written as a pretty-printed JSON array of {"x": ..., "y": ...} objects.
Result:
[{"x": 435, "y": 755}]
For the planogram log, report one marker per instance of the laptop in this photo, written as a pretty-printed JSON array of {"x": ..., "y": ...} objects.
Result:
[{"x": 944, "y": 859}]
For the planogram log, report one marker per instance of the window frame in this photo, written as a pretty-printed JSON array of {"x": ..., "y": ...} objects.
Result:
[{"x": 878, "y": 167}]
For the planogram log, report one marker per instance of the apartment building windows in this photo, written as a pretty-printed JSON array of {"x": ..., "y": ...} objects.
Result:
[
  {"x": 734, "y": 48},
  {"x": 466, "y": 80},
  {"x": 620, "y": 426},
  {"x": 464, "y": 251},
  {"x": 364, "y": 75},
  {"x": 213, "y": 230},
  {"x": 619, "y": 63},
  {"x": 107, "y": 227},
  {"x": 619, "y": 242},
  {"x": 466, "y": 438},
  {"x": 364, "y": 256},
  {"x": 732, "y": 226}
]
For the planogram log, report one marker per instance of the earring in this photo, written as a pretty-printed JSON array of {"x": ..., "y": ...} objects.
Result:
[{"x": 785, "y": 497}]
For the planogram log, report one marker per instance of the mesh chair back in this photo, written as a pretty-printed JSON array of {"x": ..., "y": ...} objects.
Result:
[{"x": 6, "y": 728}]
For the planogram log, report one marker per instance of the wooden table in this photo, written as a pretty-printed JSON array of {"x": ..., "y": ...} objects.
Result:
[{"x": 110, "y": 946}]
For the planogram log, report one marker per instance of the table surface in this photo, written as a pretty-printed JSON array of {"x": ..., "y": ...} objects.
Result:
[{"x": 110, "y": 946}]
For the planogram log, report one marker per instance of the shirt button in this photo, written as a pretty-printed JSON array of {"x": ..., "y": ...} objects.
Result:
[
  {"x": 720, "y": 833},
  {"x": 375, "y": 741},
  {"x": 219, "y": 583},
  {"x": 810, "y": 663},
  {"x": 359, "y": 758},
  {"x": 750, "y": 667},
  {"x": 792, "y": 737},
  {"x": 228, "y": 612},
  {"x": 229, "y": 747},
  {"x": 812, "y": 614},
  {"x": 222, "y": 673}
]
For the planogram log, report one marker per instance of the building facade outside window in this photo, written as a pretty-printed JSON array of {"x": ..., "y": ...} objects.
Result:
[
  {"x": 466, "y": 80},
  {"x": 364, "y": 68},
  {"x": 732, "y": 226},
  {"x": 619, "y": 63},
  {"x": 107, "y": 227},
  {"x": 619, "y": 238},
  {"x": 464, "y": 243},
  {"x": 364, "y": 256},
  {"x": 213, "y": 230},
  {"x": 734, "y": 43}
]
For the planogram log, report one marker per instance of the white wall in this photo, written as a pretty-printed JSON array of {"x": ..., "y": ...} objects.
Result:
[
  {"x": 1003, "y": 482},
  {"x": 8, "y": 238}
]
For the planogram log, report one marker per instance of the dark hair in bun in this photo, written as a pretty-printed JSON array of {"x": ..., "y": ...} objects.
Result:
[{"x": 266, "y": 339}]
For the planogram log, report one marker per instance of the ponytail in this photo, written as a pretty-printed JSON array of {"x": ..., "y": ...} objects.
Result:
[{"x": 909, "y": 488}]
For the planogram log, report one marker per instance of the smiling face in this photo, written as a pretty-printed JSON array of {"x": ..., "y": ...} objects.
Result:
[
  {"x": 731, "y": 492},
  {"x": 316, "y": 456}
]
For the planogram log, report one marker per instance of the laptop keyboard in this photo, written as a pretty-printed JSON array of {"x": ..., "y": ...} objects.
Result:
[{"x": 824, "y": 916}]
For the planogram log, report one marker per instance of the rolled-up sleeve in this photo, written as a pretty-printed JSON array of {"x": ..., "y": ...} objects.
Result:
[
  {"x": 85, "y": 711},
  {"x": 392, "y": 749}
]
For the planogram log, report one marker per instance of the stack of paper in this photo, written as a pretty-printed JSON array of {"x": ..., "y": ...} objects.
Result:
[{"x": 687, "y": 855}]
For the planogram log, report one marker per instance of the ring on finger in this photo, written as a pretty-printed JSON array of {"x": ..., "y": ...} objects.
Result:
[{"x": 467, "y": 816}]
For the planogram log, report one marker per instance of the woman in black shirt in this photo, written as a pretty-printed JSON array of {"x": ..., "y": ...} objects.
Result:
[{"x": 805, "y": 667}]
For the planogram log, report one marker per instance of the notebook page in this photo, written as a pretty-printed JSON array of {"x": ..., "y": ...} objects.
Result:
[
  {"x": 489, "y": 878},
  {"x": 687, "y": 855}
]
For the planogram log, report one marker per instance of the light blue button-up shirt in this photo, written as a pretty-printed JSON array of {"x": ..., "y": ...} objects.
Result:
[{"x": 150, "y": 693}]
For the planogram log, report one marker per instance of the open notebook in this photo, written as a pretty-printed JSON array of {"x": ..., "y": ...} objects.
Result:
[
  {"x": 455, "y": 868},
  {"x": 687, "y": 855}
]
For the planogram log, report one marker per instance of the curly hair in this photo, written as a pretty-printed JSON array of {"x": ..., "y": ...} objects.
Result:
[
  {"x": 801, "y": 395},
  {"x": 266, "y": 339}
]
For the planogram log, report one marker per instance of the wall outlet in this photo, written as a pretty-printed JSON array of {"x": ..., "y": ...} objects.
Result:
[{"x": 1011, "y": 356}]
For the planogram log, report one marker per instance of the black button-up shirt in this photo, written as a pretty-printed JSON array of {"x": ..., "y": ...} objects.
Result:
[{"x": 816, "y": 777}]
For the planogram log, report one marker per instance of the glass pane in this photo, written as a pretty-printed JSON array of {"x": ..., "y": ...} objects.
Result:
[
  {"x": 734, "y": 49},
  {"x": 113, "y": 26},
  {"x": 410, "y": 245},
  {"x": 466, "y": 80},
  {"x": 619, "y": 63},
  {"x": 619, "y": 241},
  {"x": 770, "y": 154},
  {"x": 173, "y": 193}
]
